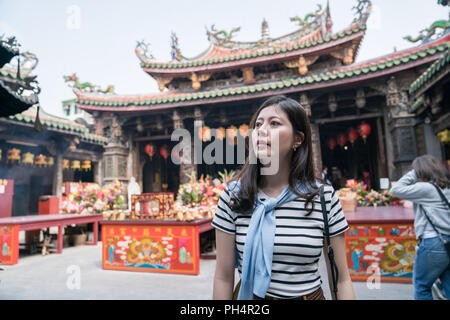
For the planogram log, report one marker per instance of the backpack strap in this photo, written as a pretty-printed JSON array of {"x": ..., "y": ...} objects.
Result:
[
  {"x": 333, "y": 266},
  {"x": 441, "y": 194}
]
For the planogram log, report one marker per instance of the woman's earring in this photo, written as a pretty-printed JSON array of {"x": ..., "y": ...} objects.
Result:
[{"x": 295, "y": 149}]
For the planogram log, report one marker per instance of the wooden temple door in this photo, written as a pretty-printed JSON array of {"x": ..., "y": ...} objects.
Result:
[{"x": 152, "y": 174}]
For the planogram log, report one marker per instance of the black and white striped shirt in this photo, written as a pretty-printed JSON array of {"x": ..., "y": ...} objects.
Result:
[{"x": 298, "y": 240}]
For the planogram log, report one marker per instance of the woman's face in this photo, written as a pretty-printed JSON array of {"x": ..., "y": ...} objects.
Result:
[{"x": 272, "y": 129}]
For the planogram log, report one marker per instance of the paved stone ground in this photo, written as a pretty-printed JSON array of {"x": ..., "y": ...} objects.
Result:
[{"x": 48, "y": 277}]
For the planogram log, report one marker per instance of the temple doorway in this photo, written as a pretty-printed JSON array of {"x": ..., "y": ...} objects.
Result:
[{"x": 350, "y": 157}]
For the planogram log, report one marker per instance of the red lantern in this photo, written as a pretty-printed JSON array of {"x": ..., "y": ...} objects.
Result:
[
  {"x": 164, "y": 151},
  {"x": 232, "y": 135},
  {"x": 243, "y": 130},
  {"x": 220, "y": 133},
  {"x": 341, "y": 139},
  {"x": 364, "y": 130},
  {"x": 65, "y": 164},
  {"x": 204, "y": 133},
  {"x": 150, "y": 150},
  {"x": 353, "y": 135},
  {"x": 332, "y": 143}
]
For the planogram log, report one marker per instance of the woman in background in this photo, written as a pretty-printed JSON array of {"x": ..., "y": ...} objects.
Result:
[{"x": 432, "y": 260}]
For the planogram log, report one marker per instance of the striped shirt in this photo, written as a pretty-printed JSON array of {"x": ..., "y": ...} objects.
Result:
[{"x": 298, "y": 240}]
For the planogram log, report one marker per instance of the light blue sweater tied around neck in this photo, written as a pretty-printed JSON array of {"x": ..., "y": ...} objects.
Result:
[{"x": 258, "y": 249}]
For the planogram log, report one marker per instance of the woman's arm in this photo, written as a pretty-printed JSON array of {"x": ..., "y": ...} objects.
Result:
[
  {"x": 409, "y": 188},
  {"x": 345, "y": 287},
  {"x": 225, "y": 262}
]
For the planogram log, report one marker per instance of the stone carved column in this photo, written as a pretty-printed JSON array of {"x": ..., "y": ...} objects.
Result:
[
  {"x": 98, "y": 172},
  {"x": 187, "y": 165},
  {"x": 315, "y": 136},
  {"x": 304, "y": 102},
  {"x": 317, "y": 153},
  {"x": 58, "y": 177},
  {"x": 401, "y": 126},
  {"x": 115, "y": 156}
]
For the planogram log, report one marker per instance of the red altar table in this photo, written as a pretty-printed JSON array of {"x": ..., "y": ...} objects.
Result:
[
  {"x": 6, "y": 197},
  {"x": 10, "y": 227},
  {"x": 381, "y": 244},
  {"x": 153, "y": 245}
]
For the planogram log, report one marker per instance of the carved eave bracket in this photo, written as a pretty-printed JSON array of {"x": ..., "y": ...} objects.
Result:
[
  {"x": 163, "y": 82},
  {"x": 248, "y": 75},
  {"x": 346, "y": 55},
  {"x": 301, "y": 63},
  {"x": 197, "y": 79}
]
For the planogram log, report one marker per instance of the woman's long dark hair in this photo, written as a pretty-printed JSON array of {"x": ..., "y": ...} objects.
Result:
[
  {"x": 430, "y": 169},
  {"x": 302, "y": 166}
]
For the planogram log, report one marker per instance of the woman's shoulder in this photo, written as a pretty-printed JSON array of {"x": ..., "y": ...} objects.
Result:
[{"x": 232, "y": 187}]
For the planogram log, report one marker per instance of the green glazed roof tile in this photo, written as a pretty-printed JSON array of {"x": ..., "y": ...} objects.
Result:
[{"x": 346, "y": 72}]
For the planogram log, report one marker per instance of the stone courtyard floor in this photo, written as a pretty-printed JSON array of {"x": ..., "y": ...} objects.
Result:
[{"x": 51, "y": 278}]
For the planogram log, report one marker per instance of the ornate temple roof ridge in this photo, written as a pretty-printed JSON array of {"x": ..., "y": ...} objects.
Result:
[
  {"x": 386, "y": 64},
  {"x": 19, "y": 88},
  {"x": 315, "y": 29},
  {"x": 307, "y": 27},
  {"x": 218, "y": 56},
  {"x": 400, "y": 53}
]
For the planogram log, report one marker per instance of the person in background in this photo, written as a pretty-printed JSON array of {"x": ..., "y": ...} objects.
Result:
[
  {"x": 366, "y": 180},
  {"x": 325, "y": 176},
  {"x": 432, "y": 260},
  {"x": 336, "y": 178}
]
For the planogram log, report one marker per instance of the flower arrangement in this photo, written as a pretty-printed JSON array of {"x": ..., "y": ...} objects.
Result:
[
  {"x": 371, "y": 198},
  {"x": 92, "y": 199},
  {"x": 198, "y": 198}
]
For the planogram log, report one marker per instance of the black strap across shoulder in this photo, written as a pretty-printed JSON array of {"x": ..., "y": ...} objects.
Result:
[
  {"x": 441, "y": 194},
  {"x": 333, "y": 266}
]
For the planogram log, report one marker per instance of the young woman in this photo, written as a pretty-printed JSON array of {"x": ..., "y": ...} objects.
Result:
[
  {"x": 432, "y": 261},
  {"x": 274, "y": 221}
]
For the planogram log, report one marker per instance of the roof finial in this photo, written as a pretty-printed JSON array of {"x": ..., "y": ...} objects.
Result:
[
  {"x": 265, "y": 31},
  {"x": 175, "y": 51}
]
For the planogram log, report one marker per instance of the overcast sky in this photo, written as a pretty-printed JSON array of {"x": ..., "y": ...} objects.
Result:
[{"x": 96, "y": 39}]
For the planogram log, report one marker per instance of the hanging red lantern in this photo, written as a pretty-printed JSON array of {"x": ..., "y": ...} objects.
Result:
[
  {"x": 332, "y": 143},
  {"x": 204, "y": 133},
  {"x": 65, "y": 164},
  {"x": 41, "y": 160},
  {"x": 220, "y": 133},
  {"x": 364, "y": 130},
  {"x": 353, "y": 135},
  {"x": 341, "y": 139},
  {"x": 150, "y": 150},
  {"x": 86, "y": 165},
  {"x": 13, "y": 155},
  {"x": 243, "y": 130},
  {"x": 164, "y": 151},
  {"x": 76, "y": 165},
  {"x": 232, "y": 135},
  {"x": 28, "y": 158}
]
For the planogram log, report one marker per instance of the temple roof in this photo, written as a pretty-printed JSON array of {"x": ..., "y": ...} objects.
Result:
[
  {"x": 430, "y": 72},
  {"x": 18, "y": 86},
  {"x": 313, "y": 36},
  {"x": 342, "y": 75},
  {"x": 58, "y": 124},
  {"x": 8, "y": 49},
  {"x": 219, "y": 57},
  {"x": 11, "y": 101},
  {"x": 436, "y": 71}
]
